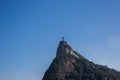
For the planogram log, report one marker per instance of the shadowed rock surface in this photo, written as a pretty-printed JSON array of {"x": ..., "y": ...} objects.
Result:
[{"x": 69, "y": 65}]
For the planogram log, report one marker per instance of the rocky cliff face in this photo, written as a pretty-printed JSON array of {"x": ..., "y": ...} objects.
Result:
[{"x": 69, "y": 65}]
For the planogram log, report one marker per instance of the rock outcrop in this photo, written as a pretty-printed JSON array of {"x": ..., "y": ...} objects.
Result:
[{"x": 69, "y": 65}]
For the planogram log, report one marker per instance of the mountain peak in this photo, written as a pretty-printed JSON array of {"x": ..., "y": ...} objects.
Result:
[
  {"x": 65, "y": 49},
  {"x": 69, "y": 65}
]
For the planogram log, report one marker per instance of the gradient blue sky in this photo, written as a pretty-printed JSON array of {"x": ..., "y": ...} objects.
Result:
[{"x": 30, "y": 31}]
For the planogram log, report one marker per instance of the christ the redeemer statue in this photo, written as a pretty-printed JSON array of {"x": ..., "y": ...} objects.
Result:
[{"x": 63, "y": 38}]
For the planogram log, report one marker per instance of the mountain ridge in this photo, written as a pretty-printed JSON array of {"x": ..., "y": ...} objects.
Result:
[{"x": 70, "y": 65}]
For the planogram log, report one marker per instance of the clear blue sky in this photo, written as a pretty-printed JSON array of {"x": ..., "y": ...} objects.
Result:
[{"x": 30, "y": 31}]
